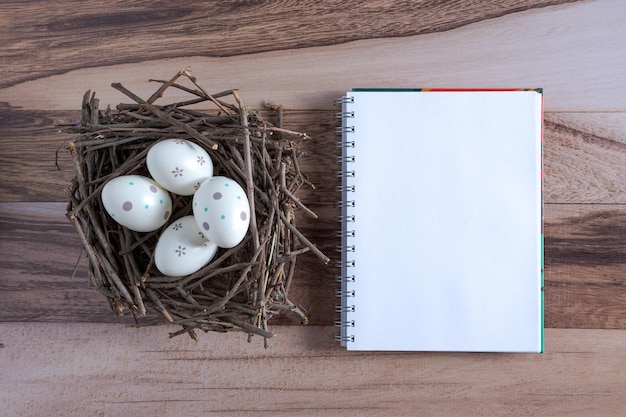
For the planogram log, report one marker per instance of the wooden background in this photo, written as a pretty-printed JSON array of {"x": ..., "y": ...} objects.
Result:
[{"x": 63, "y": 352}]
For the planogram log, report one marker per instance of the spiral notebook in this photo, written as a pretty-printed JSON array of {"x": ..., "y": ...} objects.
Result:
[{"x": 442, "y": 240}]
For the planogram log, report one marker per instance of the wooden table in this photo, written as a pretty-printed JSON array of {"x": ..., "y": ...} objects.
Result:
[{"x": 63, "y": 352}]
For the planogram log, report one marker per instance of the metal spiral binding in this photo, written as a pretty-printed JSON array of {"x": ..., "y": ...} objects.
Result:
[
  {"x": 345, "y": 264},
  {"x": 344, "y": 115},
  {"x": 344, "y": 159},
  {"x": 346, "y": 204},
  {"x": 345, "y": 233},
  {"x": 339, "y": 308},
  {"x": 339, "y": 323},
  {"x": 341, "y": 338},
  {"x": 340, "y": 278},
  {"x": 342, "y": 174},
  {"x": 344, "y": 248},
  {"x": 344, "y": 144},
  {"x": 343, "y": 100},
  {"x": 342, "y": 188},
  {"x": 340, "y": 293},
  {"x": 344, "y": 129},
  {"x": 346, "y": 219}
]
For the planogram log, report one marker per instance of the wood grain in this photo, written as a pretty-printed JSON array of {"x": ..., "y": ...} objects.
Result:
[
  {"x": 585, "y": 158},
  {"x": 39, "y": 254},
  {"x": 108, "y": 370},
  {"x": 35, "y": 164},
  {"x": 584, "y": 155},
  {"x": 585, "y": 266},
  {"x": 79, "y": 34},
  {"x": 558, "y": 48},
  {"x": 585, "y": 255},
  {"x": 44, "y": 276}
]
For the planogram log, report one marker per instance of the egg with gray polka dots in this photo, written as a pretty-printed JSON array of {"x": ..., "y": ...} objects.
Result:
[
  {"x": 222, "y": 211},
  {"x": 137, "y": 202}
]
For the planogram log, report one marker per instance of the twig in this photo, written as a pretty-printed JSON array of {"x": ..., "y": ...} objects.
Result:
[
  {"x": 159, "y": 304},
  {"x": 249, "y": 179},
  {"x": 229, "y": 294},
  {"x": 304, "y": 240},
  {"x": 284, "y": 189},
  {"x": 164, "y": 116},
  {"x": 222, "y": 106},
  {"x": 159, "y": 93}
]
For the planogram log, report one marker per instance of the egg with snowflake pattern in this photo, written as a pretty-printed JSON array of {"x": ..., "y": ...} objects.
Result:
[
  {"x": 179, "y": 165},
  {"x": 182, "y": 249}
]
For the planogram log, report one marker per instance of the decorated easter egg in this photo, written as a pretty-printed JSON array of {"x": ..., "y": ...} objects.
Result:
[
  {"x": 182, "y": 249},
  {"x": 137, "y": 202},
  {"x": 222, "y": 211},
  {"x": 179, "y": 165}
]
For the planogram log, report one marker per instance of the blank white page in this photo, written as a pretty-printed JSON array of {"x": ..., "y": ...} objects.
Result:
[{"x": 448, "y": 221}]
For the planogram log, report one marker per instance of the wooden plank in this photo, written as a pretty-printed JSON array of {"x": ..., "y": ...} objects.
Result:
[
  {"x": 42, "y": 40},
  {"x": 39, "y": 253},
  {"x": 585, "y": 158},
  {"x": 585, "y": 266},
  {"x": 44, "y": 277},
  {"x": 35, "y": 164},
  {"x": 109, "y": 370},
  {"x": 585, "y": 262},
  {"x": 573, "y": 50},
  {"x": 585, "y": 155},
  {"x": 578, "y": 261}
]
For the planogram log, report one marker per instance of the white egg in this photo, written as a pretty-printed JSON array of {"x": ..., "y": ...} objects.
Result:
[
  {"x": 137, "y": 202},
  {"x": 182, "y": 249},
  {"x": 222, "y": 211},
  {"x": 179, "y": 165}
]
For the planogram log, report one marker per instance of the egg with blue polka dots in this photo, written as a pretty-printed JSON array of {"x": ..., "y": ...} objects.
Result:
[
  {"x": 222, "y": 211},
  {"x": 137, "y": 202}
]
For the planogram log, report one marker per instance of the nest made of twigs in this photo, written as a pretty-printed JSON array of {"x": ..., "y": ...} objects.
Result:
[{"x": 242, "y": 288}]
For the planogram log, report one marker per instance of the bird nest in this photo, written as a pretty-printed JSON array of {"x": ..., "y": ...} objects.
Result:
[{"x": 241, "y": 288}]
